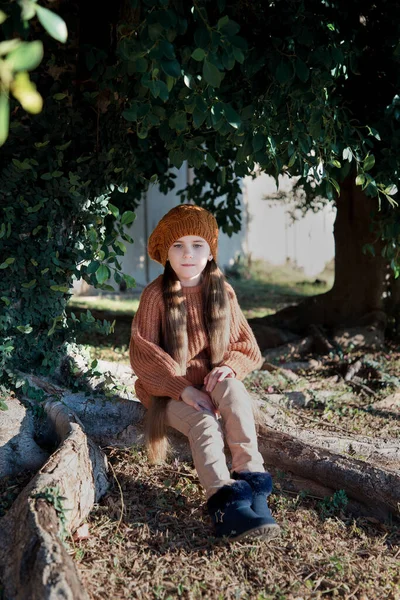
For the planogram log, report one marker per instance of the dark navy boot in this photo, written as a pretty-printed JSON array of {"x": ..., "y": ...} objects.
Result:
[
  {"x": 232, "y": 515},
  {"x": 261, "y": 486}
]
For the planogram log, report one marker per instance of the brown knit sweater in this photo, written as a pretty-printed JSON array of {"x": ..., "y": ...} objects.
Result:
[{"x": 157, "y": 371}]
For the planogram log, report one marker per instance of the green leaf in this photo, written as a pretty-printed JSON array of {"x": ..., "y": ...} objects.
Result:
[
  {"x": 222, "y": 21},
  {"x": 23, "y": 166},
  {"x": 202, "y": 37},
  {"x": 369, "y": 162},
  {"x": 391, "y": 189},
  {"x": 131, "y": 113},
  {"x": 128, "y": 217},
  {"x": 113, "y": 210},
  {"x": 102, "y": 273},
  {"x": 25, "y": 328},
  {"x": 176, "y": 157},
  {"x": 211, "y": 74},
  {"x": 26, "y": 57},
  {"x": 302, "y": 71},
  {"x": 360, "y": 179},
  {"x": 7, "y": 262},
  {"x": 199, "y": 117},
  {"x": 171, "y": 68},
  {"x": 53, "y": 24},
  {"x": 284, "y": 72},
  {"x": 63, "y": 147},
  {"x": 347, "y": 154},
  {"x": 155, "y": 31},
  {"x": 198, "y": 54},
  {"x": 335, "y": 185},
  {"x": 336, "y": 163},
  {"x": 60, "y": 96},
  {"x": 211, "y": 162},
  {"x": 189, "y": 81},
  {"x": 292, "y": 159},
  {"x": 141, "y": 65},
  {"x": 178, "y": 121},
  {"x": 121, "y": 247},
  {"x": 258, "y": 142},
  {"x": 232, "y": 116},
  {"x": 4, "y": 117},
  {"x": 9, "y": 45},
  {"x": 29, "y": 284},
  {"x": 130, "y": 282},
  {"x": 368, "y": 248},
  {"x": 238, "y": 54},
  {"x": 374, "y": 133}
]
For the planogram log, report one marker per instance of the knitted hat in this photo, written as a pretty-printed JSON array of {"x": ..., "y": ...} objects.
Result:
[{"x": 185, "y": 219}]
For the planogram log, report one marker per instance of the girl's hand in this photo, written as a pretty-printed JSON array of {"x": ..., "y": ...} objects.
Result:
[
  {"x": 216, "y": 375},
  {"x": 198, "y": 399}
]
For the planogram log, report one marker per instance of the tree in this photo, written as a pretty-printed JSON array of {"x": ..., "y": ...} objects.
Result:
[
  {"x": 306, "y": 88},
  {"x": 303, "y": 88}
]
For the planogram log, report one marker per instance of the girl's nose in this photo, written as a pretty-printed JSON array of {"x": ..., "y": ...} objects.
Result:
[{"x": 187, "y": 252}]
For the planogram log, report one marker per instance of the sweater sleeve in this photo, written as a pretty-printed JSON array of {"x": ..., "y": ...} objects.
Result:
[
  {"x": 155, "y": 368},
  {"x": 243, "y": 354}
]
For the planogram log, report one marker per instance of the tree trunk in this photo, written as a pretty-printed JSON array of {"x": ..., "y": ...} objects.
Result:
[
  {"x": 359, "y": 278},
  {"x": 34, "y": 564}
]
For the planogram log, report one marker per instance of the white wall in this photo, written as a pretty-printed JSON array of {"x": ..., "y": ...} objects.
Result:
[
  {"x": 272, "y": 236},
  {"x": 267, "y": 230},
  {"x": 136, "y": 262}
]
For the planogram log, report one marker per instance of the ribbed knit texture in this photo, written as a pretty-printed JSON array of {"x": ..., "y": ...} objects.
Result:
[
  {"x": 185, "y": 219},
  {"x": 157, "y": 371}
]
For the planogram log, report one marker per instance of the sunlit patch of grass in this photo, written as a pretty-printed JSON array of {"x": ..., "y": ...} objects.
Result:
[
  {"x": 112, "y": 304},
  {"x": 262, "y": 288}
]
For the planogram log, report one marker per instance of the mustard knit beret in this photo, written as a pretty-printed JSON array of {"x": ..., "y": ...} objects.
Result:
[{"x": 185, "y": 219}]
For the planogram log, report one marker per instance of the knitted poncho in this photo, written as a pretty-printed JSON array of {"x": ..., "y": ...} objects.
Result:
[{"x": 157, "y": 370}]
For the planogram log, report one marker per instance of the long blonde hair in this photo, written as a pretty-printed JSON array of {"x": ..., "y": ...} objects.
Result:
[{"x": 175, "y": 341}]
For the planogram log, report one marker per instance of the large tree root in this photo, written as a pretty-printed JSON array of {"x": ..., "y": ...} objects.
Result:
[
  {"x": 376, "y": 488},
  {"x": 312, "y": 455},
  {"x": 34, "y": 564}
]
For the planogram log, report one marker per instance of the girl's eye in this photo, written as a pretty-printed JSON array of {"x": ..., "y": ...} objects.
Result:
[{"x": 197, "y": 245}]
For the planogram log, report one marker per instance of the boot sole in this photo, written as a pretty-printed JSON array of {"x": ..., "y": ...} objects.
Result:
[{"x": 265, "y": 532}]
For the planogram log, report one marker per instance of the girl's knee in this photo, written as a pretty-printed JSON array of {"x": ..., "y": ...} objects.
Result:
[
  {"x": 205, "y": 429},
  {"x": 203, "y": 421},
  {"x": 229, "y": 387}
]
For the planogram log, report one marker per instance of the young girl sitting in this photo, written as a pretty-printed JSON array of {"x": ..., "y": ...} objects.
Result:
[{"x": 190, "y": 348}]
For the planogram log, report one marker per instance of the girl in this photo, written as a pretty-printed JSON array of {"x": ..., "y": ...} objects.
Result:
[{"x": 190, "y": 348}]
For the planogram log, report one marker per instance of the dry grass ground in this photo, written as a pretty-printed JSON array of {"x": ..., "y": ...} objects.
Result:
[{"x": 150, "y": 538}]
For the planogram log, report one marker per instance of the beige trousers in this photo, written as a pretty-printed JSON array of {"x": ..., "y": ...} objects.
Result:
[{"x": 206, "y": 436}]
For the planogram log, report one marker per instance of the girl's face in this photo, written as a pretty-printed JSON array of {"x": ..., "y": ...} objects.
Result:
[{"x": 188, "y": 256}]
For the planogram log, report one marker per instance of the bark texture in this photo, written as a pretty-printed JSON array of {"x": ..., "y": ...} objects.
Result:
[
  {"x": 34, "y": 564},
  {"x": 18, "y": 449}
]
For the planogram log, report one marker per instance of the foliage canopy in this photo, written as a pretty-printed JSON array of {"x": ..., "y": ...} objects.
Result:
[{"x": 307, "y": 88}]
